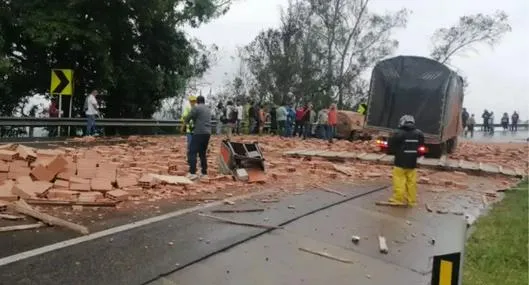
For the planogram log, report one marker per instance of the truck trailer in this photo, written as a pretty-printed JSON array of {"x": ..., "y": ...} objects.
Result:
[{"x": 423, "y": 88}]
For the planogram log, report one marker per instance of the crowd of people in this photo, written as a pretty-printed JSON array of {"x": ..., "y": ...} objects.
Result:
[
  {"x": 506, "y": 122},
  {"x": 286, "y": 121},
  {"x": 283, "y": 120}
]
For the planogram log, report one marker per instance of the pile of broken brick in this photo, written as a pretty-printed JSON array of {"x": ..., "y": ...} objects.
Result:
[{"x": 64, "y": 177}]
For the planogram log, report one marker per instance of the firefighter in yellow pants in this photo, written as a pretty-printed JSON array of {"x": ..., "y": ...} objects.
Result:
[
  {"x": 404, "y": 185},
  {"x": 405, "y": 145}
]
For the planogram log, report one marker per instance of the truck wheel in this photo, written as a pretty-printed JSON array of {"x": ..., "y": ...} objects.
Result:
[
  {"x": 451, "y": 145},
  {"x": 437, "y": 150},
  {"x": 353, "y": 136}
]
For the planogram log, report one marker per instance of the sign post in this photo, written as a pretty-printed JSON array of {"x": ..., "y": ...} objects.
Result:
[
  {"x": 62, "y": 84},
  {"x": 447, "y": 265}
]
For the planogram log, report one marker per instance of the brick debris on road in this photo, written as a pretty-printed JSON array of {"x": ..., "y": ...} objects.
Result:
[{"x": 146, "y": 170}]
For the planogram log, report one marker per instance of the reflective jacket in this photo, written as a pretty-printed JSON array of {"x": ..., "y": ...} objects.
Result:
[
  {"x": 189, "y": 126},
  {"x": 362, "y": 108},
  {"x": 405, "y": 144}
]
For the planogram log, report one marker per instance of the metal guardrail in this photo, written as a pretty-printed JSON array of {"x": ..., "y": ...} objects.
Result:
[
  {"x": 110, "y": 122},
  {"x": 106, "y": 122}
]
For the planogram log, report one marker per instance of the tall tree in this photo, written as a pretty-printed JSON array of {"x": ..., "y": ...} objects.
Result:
[
  {"x": 469, "y": 32},
  {"x": 320, "y": 50},
  {"x": 135, "y": 51},
  {"x": 355, "y": 40}
]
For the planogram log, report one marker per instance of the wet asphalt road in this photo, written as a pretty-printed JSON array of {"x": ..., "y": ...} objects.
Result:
[
  {"x": 499, "y": 136},
  {"x": 176, "y": 250},
  {"x": 142, "y": 254},
  {"x": 276, "y": 258}
]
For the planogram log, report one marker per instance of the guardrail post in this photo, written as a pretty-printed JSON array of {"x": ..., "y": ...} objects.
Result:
[{"x": 449, "y": 252}]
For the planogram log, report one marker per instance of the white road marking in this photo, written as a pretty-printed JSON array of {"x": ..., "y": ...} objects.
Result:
[{"x": 63, "y": 244}]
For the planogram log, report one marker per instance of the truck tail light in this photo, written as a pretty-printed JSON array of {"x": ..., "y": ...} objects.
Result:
[
  {"x": 422, "y": 150},
  {"x": 382, "y": 144}
]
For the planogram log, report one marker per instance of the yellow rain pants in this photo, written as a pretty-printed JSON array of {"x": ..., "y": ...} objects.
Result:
[{"x": 404, "y": 185}]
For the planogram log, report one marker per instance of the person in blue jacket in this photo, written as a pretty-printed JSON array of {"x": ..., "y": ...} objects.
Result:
[{"x": 291, "y": 119}]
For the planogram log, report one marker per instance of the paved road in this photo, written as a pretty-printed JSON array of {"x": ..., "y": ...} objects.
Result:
[
  {"x": 182, "y": 248},
  {"x": 500, "y": 136},
  {"x": 276, "y": 258}
]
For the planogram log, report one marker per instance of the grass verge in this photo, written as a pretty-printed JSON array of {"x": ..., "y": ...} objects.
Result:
[{"x": 496, "y": 252}]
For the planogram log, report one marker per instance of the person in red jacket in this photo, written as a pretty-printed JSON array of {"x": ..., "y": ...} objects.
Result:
[
  {"x": 53, "y": 111},
  {"x": 332, "y": 122},
  {"x": 298, "y": 127}
]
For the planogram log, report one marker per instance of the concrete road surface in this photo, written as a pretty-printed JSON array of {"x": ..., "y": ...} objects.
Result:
[{"x": 190, "y": 249}]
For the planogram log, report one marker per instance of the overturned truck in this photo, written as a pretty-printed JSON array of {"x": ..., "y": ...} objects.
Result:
[{"x": 423, "y": 88}]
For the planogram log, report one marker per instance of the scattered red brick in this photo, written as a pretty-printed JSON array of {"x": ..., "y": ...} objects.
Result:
[
  {"x": 107, "y": 170},
  {"x": 31, "y": 190},
  {"x": 90, "y": 196},
  {"x": 126, "y": 181},
  {"x": 135, "y": 190},
  {"x": 48, "y": 152},
  {"x": 58, "y": 164},
  {"x": 7, "y": 155},
  {"x": 4, "y": 167},
  {"x": 374, "y": 174},
  {"x": 26, "y": 153},
  {"x": 24, "y": 180},
  {"x": 61, "y": 194},
  {"x": 279, "y": 175},
  {"x": 83, "y": 187},
  {"x": 17, "y": 171},
  {"x": 118, "y": 195},
  {"x": 6, "y": 193},
  {"x": 61, "y": 184},
  {"x": 65, "y": 176},
  {"x": 42, "y": 173},
  {"x": 79, "y": 180},
  {"x": 424, "y": 180},
  {"x": 122, "y": 164},
  {"x": 101, "y": 184},
  {"x": 147, "y": 181},
  {"x": 87, "y": 173},
  {"x": 42, "y": 161},
  {"x": 3, "y": 176}
]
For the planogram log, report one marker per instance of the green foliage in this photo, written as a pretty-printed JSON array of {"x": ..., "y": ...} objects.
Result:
[
  {"x": 320, "y": 51},
  {"x": 134, "y": 51},
  {"x": 496, "y": 253},
  {"x": 467, "y": 33}
]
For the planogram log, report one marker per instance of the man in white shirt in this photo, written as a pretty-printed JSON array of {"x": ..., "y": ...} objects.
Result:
[
  {"x": 91, "y": 110},
  {"x": 240, "y": 111}
]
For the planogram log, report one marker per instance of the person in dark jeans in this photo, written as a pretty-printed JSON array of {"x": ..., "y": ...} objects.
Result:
[
  {"x": 91, "y": 108},
  {"x": 307, "y": 124},
  {"x": 273, "y": 119},
  {"x": 298, "y": 127},
  {"x": 201, "y": 117},
  {"x": 485, "y": 116},
  {"x": 464, "y": 118},
  {"x": 514, "y": 121}
]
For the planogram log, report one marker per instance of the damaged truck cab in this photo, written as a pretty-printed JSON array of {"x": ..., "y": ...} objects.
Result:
[{"x": 423, "y": 88}]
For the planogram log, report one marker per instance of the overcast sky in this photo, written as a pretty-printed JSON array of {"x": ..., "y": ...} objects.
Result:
[{"x": 499, "y": 77}]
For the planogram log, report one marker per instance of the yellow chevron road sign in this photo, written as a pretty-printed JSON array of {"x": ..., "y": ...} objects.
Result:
[{"x": 61, "y": 82}]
